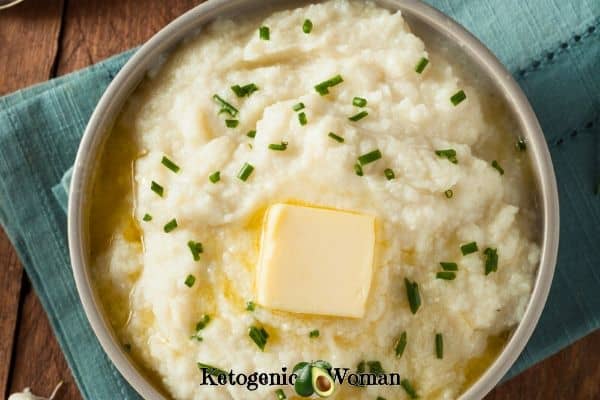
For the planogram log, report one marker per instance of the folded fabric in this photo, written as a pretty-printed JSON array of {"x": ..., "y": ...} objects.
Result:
[{"x": 553, "y": 50}]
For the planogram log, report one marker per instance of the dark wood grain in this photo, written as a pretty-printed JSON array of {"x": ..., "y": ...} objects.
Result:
[{"x": 40, "y": 39}]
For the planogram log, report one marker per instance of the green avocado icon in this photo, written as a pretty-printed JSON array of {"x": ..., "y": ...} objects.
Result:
[{"x": 312, "y": 378}]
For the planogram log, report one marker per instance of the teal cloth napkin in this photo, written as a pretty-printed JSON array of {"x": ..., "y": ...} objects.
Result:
[{"x": 552, "y": 48}]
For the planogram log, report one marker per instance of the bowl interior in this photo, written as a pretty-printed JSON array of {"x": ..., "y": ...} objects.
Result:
[{"x": 440, "y": 34}]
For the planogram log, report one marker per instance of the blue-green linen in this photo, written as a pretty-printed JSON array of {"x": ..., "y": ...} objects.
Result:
[{"x": 552, "y": 48}]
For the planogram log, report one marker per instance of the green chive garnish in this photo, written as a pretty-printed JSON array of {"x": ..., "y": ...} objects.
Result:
[
  {"x": 259, "y": 336},
  {"x": 358, "y": 169},
  {"x": 250, "y": 306},
  {"x": 196, "y": 249},
  {"x": 156, "y": 188},
  {"x": 360, "y": 368},
  {"x": 170, "y": 164},
  {"x": 225, "y": 106},
  {"x": 302, "y": 118},
  {"x": 335, "y": 137},
  {"x": 521, "y": 145},
  {"x": 449, "y": 154},
  {"x": 410, "y": 391},
  {"x": 412, "y": 292},
  {"x": 449, "y": 193},
  {"x": 232, "y": 123},
  {"x": 251, "y": 134},
  {"x": 244, "y": 91},
  {"x": 298, "y": 106},
  {"x": 211, "y": 370},
  {"x": 420, "y": 67},
  {"x": 278, "y": 146},
  {"x": 359, "y": 102},
  {"x": 446, "y": 275},
  {"x": 468, "y": 248},
  {"x": 439, "y": 345},
  {"x": 323, "y": 87},
  {"x": 264, "y": 33},
  {"x": 375, "y": 367},
  {"x": 389, "y": 174},
  {"x": 359, "y": 116},
  {"x": 458, "y": 97},
  {"x": 314, "y": 334},
  {"x": 190, "y": 280},
  {"x": 498, "y": 167},
  {"x": 245, "y": 172},
  {"x": 491, "y": 260},
  {"x": 369, "y": 157},
  {"x": 380, "y": 398},
  {"x": 449, "y": 266},
  {"x": 400, "y": 344},
  {"x": 280, "y": 395},
  {"x": 215, "y": 177},
  {"x": 307, "y": 26},
  {"x": 171, "y": 225},
  {"x": 204, "y": 320},
  {"x": 147, "y": 217}
]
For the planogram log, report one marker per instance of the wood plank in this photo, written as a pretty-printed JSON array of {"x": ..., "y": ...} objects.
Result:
[
  {"x": 11, "y": 275},
  {"x": 28, "y": 43}
]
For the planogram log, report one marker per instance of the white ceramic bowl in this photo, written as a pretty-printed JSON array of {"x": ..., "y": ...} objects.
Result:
[{"x": 440, "y": 33}]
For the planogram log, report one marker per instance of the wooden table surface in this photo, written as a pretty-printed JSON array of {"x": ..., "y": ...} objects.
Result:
[{"x": 41, "y": 39}]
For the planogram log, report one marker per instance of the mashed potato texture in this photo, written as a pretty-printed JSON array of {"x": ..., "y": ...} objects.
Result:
[{"x": 410, "y": 116}]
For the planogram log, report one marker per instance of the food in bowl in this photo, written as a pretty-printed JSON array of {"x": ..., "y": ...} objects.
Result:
[{"x": 313, "y": 189}]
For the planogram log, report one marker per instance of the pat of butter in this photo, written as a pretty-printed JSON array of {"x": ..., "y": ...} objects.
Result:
[{"x": 315, "y": 260}]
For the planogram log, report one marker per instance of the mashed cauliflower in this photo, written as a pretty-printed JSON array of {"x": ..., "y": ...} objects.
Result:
[{"x": 141, "y": 274}]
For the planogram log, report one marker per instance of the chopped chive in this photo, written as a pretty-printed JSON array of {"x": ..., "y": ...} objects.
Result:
[
  {"x": 232, "y": 123},
  {"x": 170, "y": 164},
  {"x": 410, "y": 391},
  {"x": 458, "y": 97},
  {"x": 302, "y": 118},
  {"x": 389, "y": 174},
  {"x": 156, "y": 188},
  {"x": 449, "y": 266},
  {"x": 375, "y": 367},
  {"x": 245, "y": 172},
  {"x": 359, "y": 102},
  {"x": 225, "y": 106},
  {"x": 190, "y": 280},
  {"x": 498, "y": 167},
  {"x": 439, "y": 345},
  {"x": 446, "y": 275},
  {"x": 369, "y": 157},
  {"x": 359, "y": 116},
  {"x": 468, "y": 248},
  {"x": 449, "y": 154},
  {"x": 400, "y": 344},
  {"x": 314, "y": 334},
  {"x": 412, "y": 292},
  {"x": 298, "y": 106},
  {"x": 449, "y": 193},
  {"x": 278, "y": 146},
  {"x": 521, "y": 145},
  {"x": 244, "y": 91},
  {"x": 491, "y": 260},
  {"x": 420, "y": 67},
  {"x": 361, "y": 367},
  {"x": 210, "y": 369},
  {"x": 280, "y": 395},
  {"x": 380, "y": 398},
  {"x": 358, "y": 169},
  {"x": 307, "y": 26},
  {"x": 250, "y": 305},
  {"x": 264, "y": 33},
  {"x": 196, "y": 249},
  {"x": 323, "y": 87},
  {"x": 259, "y": 336},
  {"x": 251, "y": 134},
  {"x": 147, "y": 217},
  {"x": 215, "y": 177},
  {"x": 171, "y": 225},
  {"x": 335, "y": 137},
  {"x": 204, "y": 320}
]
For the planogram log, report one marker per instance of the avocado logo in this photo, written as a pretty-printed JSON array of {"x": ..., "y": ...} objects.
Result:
[{"x": 314, "y": 377}]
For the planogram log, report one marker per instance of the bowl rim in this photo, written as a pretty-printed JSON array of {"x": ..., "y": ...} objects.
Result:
[{"x": 122, "y": 85}]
